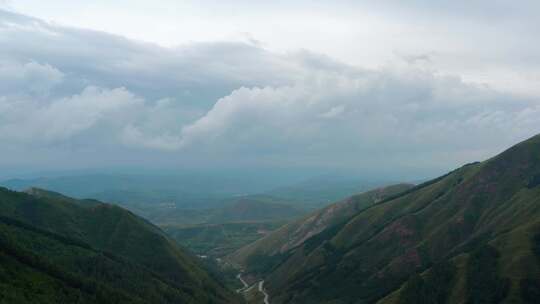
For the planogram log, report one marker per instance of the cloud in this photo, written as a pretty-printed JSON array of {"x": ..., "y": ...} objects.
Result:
[
  {"x": 28, "y": 78},
  {"x": 396, "y": 115},
  {"x": 66, "y": 92},
  {"x": 34, "y": 122},
  {"x": 196, "y": 74},
  {"x": 333, "y": 112}
]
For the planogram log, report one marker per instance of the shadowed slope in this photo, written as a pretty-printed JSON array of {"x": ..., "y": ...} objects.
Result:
[{"x": 119, "y": 250}]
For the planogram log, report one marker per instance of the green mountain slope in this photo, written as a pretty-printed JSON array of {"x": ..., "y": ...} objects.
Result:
[
  {"x": 295, "y": 233},
  {"x": 57, "y": 249},
  {"x": 470, "y": 236}
]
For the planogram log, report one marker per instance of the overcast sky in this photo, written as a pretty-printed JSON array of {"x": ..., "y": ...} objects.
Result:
[{"x": 397, "y": 86}]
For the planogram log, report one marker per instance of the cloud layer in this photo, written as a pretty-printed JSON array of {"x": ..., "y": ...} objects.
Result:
[{"x": 67, "y": 92}]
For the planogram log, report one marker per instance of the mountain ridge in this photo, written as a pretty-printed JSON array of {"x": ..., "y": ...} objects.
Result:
[
  {"x": 489, "y": 210},
  {"x": 317, "y": 221}
]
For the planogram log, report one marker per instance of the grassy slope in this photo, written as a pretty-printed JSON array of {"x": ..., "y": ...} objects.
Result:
[
  {"x": 293, "y": 234},
  {"x": 491, "y": 207},
  {"x": 108, "y": 229}
]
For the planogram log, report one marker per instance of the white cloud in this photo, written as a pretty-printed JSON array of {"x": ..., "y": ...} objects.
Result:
[
  {"x": 28, "y": 78},
  {"x": 391, "y": 114},
  {"x": 33, "y": 122}
]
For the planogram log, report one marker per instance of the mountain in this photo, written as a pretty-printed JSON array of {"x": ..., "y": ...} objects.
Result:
[
  {"x": 321, "y": 191},
  {"x": 255, "y": 208},
  {"x": 186, "y": 198},
  {"x": 248, "y": 208},
  {"x": 297, "y": 232},
  {"x": 143, "y": 191},
  {"x": 470, "y": 236},
  {"x": 56, "y": 249}
]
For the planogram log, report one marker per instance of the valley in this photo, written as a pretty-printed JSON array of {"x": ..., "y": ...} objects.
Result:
[
  {"x": 254, "y": 293},
  {"x": 203, "y": 214},
  {"x": 219, "y": 240},
  {"x": 401, "y": 243},
  {"x": 269, "y": 152}
]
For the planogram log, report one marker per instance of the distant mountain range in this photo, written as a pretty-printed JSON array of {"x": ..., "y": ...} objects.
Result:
[
  {"x": 255, "y": 208},
  {"x": 56, "y": 249},
  {"x": 321, "y": 191},
  {"x": 470, "y": 236},
  {"x": 250, "y": 208},
  {"x": 142, "y": 193}
]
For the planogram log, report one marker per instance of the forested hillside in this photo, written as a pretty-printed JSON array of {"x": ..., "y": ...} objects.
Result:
[{"x": 56, "y": 249}]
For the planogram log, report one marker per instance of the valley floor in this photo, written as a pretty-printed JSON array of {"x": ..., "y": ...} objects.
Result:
[{"x": 254, "y": 294}]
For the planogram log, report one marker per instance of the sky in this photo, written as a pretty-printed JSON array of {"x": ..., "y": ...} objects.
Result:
[{"x": 402, "y": 88}]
